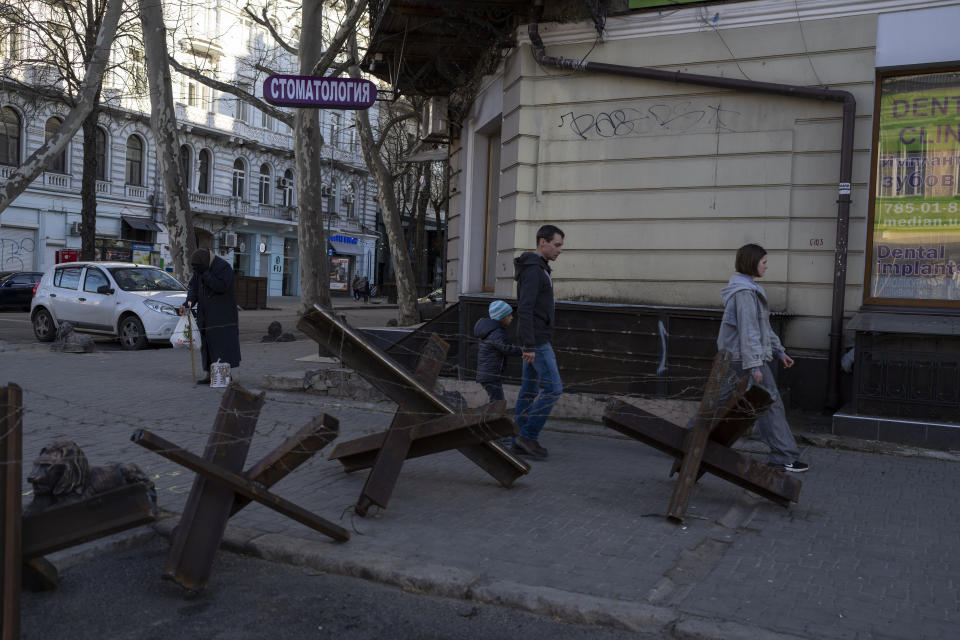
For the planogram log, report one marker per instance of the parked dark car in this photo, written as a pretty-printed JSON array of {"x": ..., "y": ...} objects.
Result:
[{"x": 16, "y": 289}]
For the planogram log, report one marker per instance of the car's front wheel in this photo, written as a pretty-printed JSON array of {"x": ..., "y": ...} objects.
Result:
[
  {"x": 132, "y": 335},
  {"x": 43, "y": 326}
]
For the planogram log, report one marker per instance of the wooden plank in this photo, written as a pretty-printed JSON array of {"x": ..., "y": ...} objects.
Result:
[
  {"x": 718, "y": 460},
  {"x": 399, "y": 385},
  {"x": 74, "y": 523},
  {"x": 197, "y": 537},
  {"x": 385, "y": 472},
  {"x": 237, "y": 484},
  {"x": 291, "y": 453},
  {"x": 479, "y": 424},
  {"x": 696, "y": 440},
  {"x": 11, "y": 490}
]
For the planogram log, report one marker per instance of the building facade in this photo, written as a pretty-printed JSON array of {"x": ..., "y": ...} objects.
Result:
[
  {"x": 658, "y": 179},
  {"x": 237, "y": 159}
]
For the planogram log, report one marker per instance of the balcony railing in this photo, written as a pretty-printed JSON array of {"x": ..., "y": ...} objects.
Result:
[
  {"x": 56, "y": 180},
  {"x": 135, "y": 191},
  {"x": 103, "y": 187}
]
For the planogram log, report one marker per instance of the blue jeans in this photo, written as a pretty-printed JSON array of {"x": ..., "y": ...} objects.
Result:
[{"x": 540, "y": 389}]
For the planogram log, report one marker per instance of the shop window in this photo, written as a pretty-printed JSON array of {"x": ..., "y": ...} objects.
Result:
[{"x": 914, "y": 211}]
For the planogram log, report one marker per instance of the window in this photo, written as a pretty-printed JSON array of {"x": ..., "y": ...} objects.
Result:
[
  {"x": 94, "y": 279},
  {"x": 185, "y": 162},
  {"x": 193, "y": 94},
  {"x": 10, "y": 44},
  {"x": 263, "y": 186},
  {"x": 135, "y": 161},
  {"x": 336, "y": 121},
  {"x": 332, "y": 199},
  {"x": 243, "y": 108},
  {"x": 349, "y": 202},
  {"x": 137, "y": 70},
  {"x": 913, "y": 245},
  {"x": 288, "y": 186},
  {"x": 101, "y": 153},
  {"x": 57, "y": 164},
  {"x": 67, "y": 278},
  {"x": 9, "y": 137},
  {"x": 239, "y": 179},
  {"x": 203, "y": 179}
]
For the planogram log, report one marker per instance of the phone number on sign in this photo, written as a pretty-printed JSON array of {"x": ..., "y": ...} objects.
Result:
[{"x": 923, "y": 207}]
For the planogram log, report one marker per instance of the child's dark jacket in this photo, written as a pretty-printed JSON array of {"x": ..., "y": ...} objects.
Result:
[{"x": 493, "y": 351}]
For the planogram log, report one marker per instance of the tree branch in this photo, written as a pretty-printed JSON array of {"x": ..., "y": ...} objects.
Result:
[
  {"x": 269, "y": 109},
  {"x": 265, "y": 22},
  {"x": 346, "y": 28}
]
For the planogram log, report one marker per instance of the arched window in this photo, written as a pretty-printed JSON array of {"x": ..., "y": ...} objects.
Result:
[
  {"x": 288, "y": 187},
  {"x": 203, "y": 180},
  {"x": 101, "y": 153},
  {"x": 135, "y": 161},
  {"x": 57, "y": 164},
  {"x": 9, "y": 137},
  {"x": 186, "y": 159},
  {"x": 263, "y": 185},
  {"x": 239, "y": 179}
]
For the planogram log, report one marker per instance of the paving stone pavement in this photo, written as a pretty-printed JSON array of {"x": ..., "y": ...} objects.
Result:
[{"x": 871, "y": 550}]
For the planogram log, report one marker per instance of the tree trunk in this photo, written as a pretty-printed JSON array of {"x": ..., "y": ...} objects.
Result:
[
  {"x": 420, "y": 232},
  {"x": 21, "y": 178},
  {"x": 403, "y": 270},
  {"x": 163, "y": 121},
  {"x": 307, "y": 146},
  {"x": 88, "y": 188}
]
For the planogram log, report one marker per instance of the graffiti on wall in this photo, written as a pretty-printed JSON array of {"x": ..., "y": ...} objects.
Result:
[
  {"x": 16, "y": 252},
  {"x": 657, "y": 118}
]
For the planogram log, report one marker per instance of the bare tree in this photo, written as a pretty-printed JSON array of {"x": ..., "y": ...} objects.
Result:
[
  {"x": 62, "y": 38},
  {"x": 313, "y": 59},
  {"x": 163, "y": 121},
  {"x": 399, "y": 254},
  {"x": 86, "y": 101}
]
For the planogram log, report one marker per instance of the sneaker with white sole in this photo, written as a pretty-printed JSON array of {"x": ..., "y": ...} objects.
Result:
[{"x": 794, "y": 467}]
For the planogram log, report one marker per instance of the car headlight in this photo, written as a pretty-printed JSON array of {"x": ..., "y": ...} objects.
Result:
[{"x": 161, "y": 307}]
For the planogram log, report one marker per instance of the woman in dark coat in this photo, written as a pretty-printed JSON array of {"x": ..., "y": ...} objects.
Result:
[{"x": 211, "y": 292}]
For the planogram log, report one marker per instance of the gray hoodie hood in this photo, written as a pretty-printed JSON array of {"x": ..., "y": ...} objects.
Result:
[{"x": 740, "y": 282}]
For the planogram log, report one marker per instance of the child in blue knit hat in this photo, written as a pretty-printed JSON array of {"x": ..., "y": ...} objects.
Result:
[{"x": 494, "y": 348}]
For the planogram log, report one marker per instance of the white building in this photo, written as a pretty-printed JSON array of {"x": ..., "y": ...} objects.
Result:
[{"x": 238, "y": 160}]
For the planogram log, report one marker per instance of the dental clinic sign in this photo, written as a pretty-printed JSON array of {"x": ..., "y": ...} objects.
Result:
[
  {"x": 915, "y": 213},
  {"x": 315, "y": 92}
]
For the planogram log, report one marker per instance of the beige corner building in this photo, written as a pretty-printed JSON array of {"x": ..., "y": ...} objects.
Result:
[{"x": 656, "y": 183}]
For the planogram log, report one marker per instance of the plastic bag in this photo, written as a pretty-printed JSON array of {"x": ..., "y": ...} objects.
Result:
[
  {"x": 185, "y": 335},
  {"x": 219, "y": 373}
]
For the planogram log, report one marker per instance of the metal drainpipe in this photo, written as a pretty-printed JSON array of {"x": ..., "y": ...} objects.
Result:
[{"x": 790, "y": 91}]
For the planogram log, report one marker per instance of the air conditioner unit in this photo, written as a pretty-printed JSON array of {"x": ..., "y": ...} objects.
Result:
[
  {"x": 433, "y": 124},
  {"x": 76, "y": 228},
  {"x": 230, "y": 240}
]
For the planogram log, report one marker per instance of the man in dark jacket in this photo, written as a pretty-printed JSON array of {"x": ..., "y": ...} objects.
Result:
[
  {"x": 211, "y": 292},
  {"x": 541, "y": 386},
  {"x": 494, "y": 348}
]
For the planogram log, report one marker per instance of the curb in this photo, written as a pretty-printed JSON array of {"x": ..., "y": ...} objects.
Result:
[{"x": 449, "y": 582}]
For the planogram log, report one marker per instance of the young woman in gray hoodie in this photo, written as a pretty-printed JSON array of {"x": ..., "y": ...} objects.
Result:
[{"x": 746, "y": 333}]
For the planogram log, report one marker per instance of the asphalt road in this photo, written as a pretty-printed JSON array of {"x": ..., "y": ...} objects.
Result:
[{"x": 119, "y": 594}]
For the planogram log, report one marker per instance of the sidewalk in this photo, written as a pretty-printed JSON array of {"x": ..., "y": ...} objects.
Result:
[{"x": 869, "y": 552}]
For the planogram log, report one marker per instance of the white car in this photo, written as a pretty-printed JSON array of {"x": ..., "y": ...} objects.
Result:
[{"x": 133, "y": 302}]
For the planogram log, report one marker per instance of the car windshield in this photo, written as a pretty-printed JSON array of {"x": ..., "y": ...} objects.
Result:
[{"x": 134, "y": 279}]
